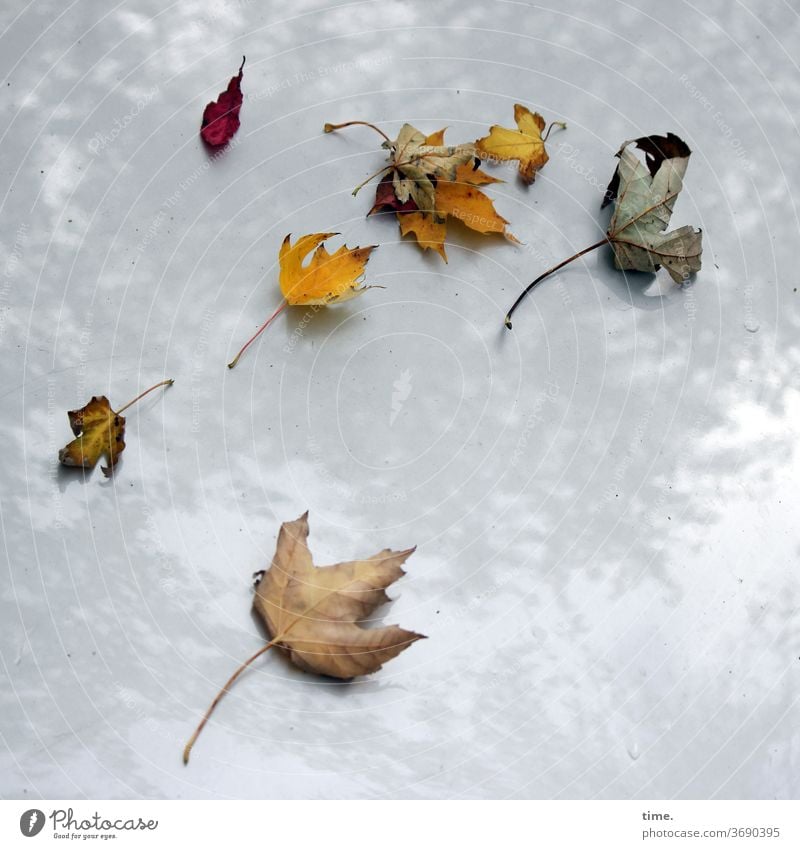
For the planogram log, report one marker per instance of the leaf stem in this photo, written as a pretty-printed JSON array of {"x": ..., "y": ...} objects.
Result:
[
  {"x": 547, "y": 274},
  {"x": 329, "y": 128},
  {"x": 258, "y": 332},
  {"x": 218, "y": 698},
  {"x": 168, "y": 382},
  {"x": 562, "y": 125},
  {"x": 361, "y": 185}
]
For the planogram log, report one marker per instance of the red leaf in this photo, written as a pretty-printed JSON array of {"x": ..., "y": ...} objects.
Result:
[
  {"x": 386, "y": 200},
  {"x": 221, "y": 117}
]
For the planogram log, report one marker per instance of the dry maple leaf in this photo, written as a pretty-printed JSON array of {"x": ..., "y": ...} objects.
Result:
[
  {"x": 99, "y": 432},
  {"x": 644, "y": 201},
  {"x": 221, "y": 116},
  {"x": 325, "y": 279},
  {"x": 312, "y": 613},
  {"x": 525, "y": 144},
  {"x": 644, "y": 197}
]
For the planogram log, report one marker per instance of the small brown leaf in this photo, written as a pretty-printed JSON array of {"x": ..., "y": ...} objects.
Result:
[{"x": 99, "y": 432}]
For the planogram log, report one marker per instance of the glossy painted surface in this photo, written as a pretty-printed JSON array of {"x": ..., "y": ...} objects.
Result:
[{"x": 604, "y": 499}]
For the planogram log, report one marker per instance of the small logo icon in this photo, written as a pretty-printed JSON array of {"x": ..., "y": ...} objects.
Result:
[
  {"x": 402, "y": 389},
  {"x": 31, "y": 822}
]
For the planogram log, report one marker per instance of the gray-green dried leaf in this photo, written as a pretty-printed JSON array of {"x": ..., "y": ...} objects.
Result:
[{"x": 644, "y": 198}]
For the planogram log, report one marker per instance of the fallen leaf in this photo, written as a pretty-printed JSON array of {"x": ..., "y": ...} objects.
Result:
[
  {"x": 315, "y": 614},
  {"x": 524, "y": 144},
  {"x": 99, "y": 432},
  {"x": 221, "y": 116},
  {"x": 644, "y": 199},
  {"x": 644, "y": 196},
  {"x": 326, "y": 279}
]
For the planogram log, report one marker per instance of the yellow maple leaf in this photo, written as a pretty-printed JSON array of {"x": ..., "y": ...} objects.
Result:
[
  {"x": 327, "y": 278},
  {"x": 525, "y": 144}
]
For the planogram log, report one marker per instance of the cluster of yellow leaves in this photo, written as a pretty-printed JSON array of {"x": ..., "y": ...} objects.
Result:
[
  {"x": 458, "y": 198},
  {"x": 442, "y": 193}
]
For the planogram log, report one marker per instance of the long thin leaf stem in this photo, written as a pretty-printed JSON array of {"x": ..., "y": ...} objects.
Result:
[
  {"x": 329, "y": 128},
  {"x": 363, "y": 183},
  {"x": 187, "y": 750},
  {"x": 547, "y": 273},
  {"x": 168, "y": 382},
  {"x": 258, "y": 332},
  {"x": 273, "y": 642}
]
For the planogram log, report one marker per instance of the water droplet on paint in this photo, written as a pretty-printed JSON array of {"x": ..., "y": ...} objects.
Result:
[{"x": 634, "y": 751}]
